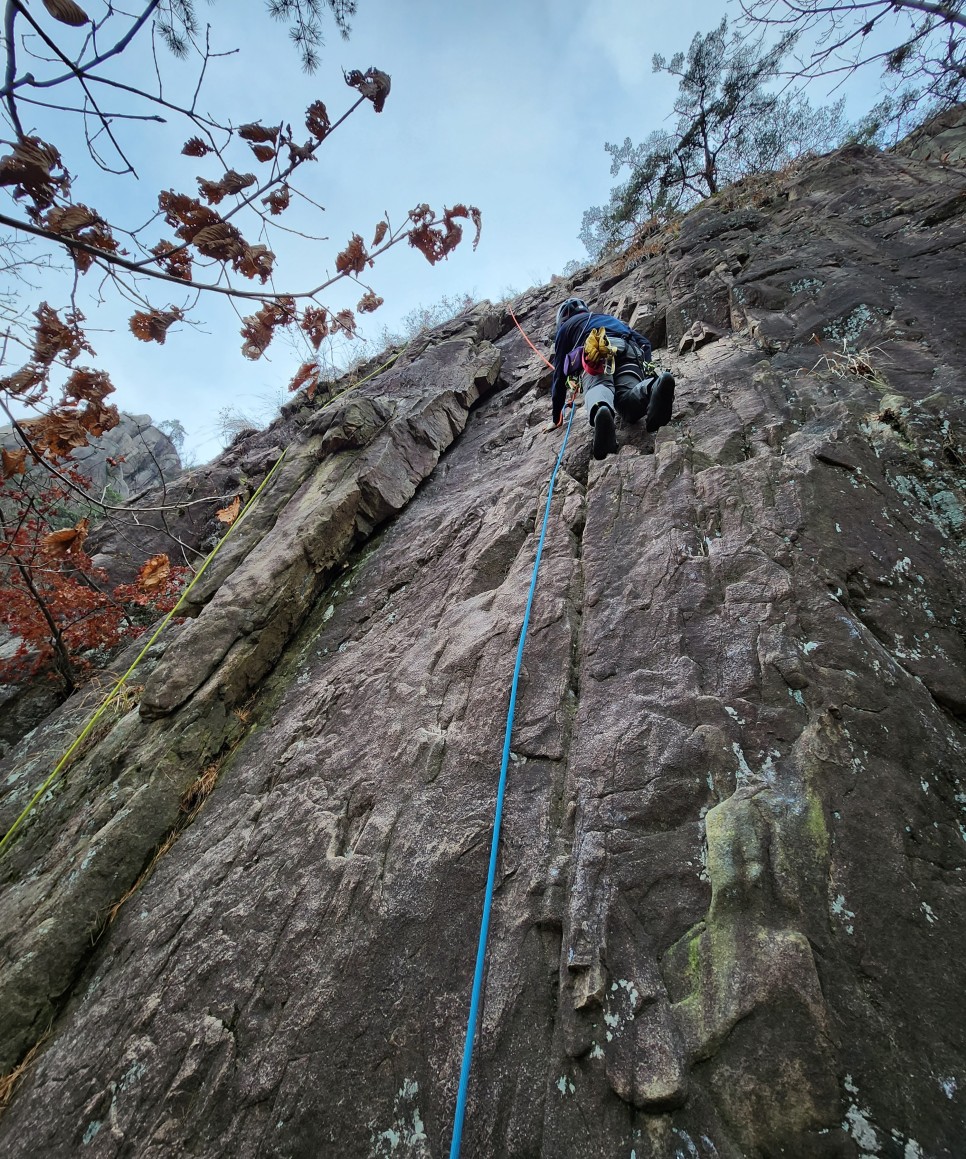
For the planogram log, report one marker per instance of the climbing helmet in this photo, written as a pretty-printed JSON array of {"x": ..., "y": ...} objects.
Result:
[{"x": 569, "y": 308}]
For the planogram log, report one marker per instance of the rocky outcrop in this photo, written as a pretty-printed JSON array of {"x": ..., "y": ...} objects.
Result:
[
  {"x": 126, "y": 461},
  {"x": 729, "y": 912}
]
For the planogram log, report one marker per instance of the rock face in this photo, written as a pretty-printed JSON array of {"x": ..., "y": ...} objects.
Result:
[
  {"x": 126, "y": 461},
  {"x": 729, "y": 918}
]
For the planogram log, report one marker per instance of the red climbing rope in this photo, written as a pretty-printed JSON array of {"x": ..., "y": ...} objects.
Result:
[{"x": 527, "y": 340}]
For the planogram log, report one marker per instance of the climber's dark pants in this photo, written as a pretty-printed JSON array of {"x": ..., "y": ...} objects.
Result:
[{"x": 627, "y": 390}]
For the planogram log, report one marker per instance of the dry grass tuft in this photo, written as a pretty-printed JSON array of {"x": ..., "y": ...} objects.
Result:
[
  {"x": 199, "y": 791},
  {"x": 191, "y": 803},
  {"x": 128, "y": 696},
  {"x": 856, "y": 363},
  {"x": 8, "y": 1082},
  {"x": 161, "y": 850}
]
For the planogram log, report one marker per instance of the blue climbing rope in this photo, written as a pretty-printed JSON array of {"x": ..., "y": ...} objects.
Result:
[{"x": 498, "y": 816}]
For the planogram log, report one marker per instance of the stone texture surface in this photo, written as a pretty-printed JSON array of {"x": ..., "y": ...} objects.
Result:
[{"x": 729, "y": 918}]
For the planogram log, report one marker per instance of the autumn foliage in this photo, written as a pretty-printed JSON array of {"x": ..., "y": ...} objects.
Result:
[
  {"x": 204, "y": 240},
  {"x": 214, "y": 237},
  {"x": 59, "y": 610}
]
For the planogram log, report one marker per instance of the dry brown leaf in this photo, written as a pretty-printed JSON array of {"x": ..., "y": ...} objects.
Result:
[
  {"x": 308, "y": 372},
  {"x": 70, "y": 218},
  {"x": 299, "y": 153},
  {"x": 258, "y": 329},
  {"x": 372, "y": 84},
  {"x": 30, "y": 169},
  {"x": 152, "y": 326},
  {"x": 353, "y": 257},
  {"x": 232, "y": 182},
  {"x": 67, "y": 12},
  {"x": 154, "y": 572},
  {"x": 346, "y": 322},
  {"x": 56, "y": 435},
  {"x": 277, "y": 201},
  {"x": 221, "y": 241},
  {"x": 174, "y": 260},
  {"x": 255, "y": 261},
  {"x": 14, "y": 462},
  {"x": 263, "y": 152},
  {"x": 315, "y": 324},
  {"x": 317, "y": 120},
  {"x": 23, "y": 381},
  {"x": 230, "y": 513},
  {"x": 381, "y": 230},
  {"x": 62, "y": 543},
  {"x": 195, "y": 147},
  {"x": 87, "y": 385},
  {"x": 369, "y": 302},
  {"x": 256, "y": 133},
  {"x": 54, "y": 338}
]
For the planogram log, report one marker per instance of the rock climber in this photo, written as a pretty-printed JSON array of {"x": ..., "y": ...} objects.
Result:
[{"x": 613, "y": 374}]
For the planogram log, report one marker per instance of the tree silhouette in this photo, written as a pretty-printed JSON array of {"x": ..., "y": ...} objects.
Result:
[{"x": 727, "y": 125}]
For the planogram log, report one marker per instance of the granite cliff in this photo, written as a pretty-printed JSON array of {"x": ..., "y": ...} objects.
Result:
[{"x": 729, "y": 918}]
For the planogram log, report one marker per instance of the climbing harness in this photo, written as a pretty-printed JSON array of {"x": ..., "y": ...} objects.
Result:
[
  {"x": 116, "y": 688},
  {"x": 498, "y": 815}
]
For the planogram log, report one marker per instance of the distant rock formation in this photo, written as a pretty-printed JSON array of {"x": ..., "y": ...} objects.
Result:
[
  {"x": 126, "y": 461},
  {"x": 123, "y": 464},
  {"x": 729, "y": 917},
  {"x": 139, "y": 451}
]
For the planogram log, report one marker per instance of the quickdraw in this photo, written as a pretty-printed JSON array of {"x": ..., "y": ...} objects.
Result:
[{"x": 574, "y": 383}]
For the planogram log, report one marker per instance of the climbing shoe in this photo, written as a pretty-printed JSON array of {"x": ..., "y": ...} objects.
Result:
[
  {"x": 659, "y": 408},
  {"x": 605, "y": 436}
]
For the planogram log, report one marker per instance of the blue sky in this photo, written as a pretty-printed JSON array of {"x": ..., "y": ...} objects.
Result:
[{"x": 505, "y": 105}]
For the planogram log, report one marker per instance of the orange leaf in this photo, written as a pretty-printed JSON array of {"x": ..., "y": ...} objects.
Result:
[
  {"x": 154, "y": 572},
  {"x": 14, "y": 462},
  {"x": 62, "y": 543},
  {"x": 353, "y": 257},
  {"x": 230, "y": 513}
]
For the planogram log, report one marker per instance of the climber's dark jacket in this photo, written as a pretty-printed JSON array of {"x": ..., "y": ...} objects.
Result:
[{"x": 572, "y": 335}]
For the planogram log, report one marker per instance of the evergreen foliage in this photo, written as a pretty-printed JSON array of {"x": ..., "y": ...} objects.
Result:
[{"x": 727, "y": 125}]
